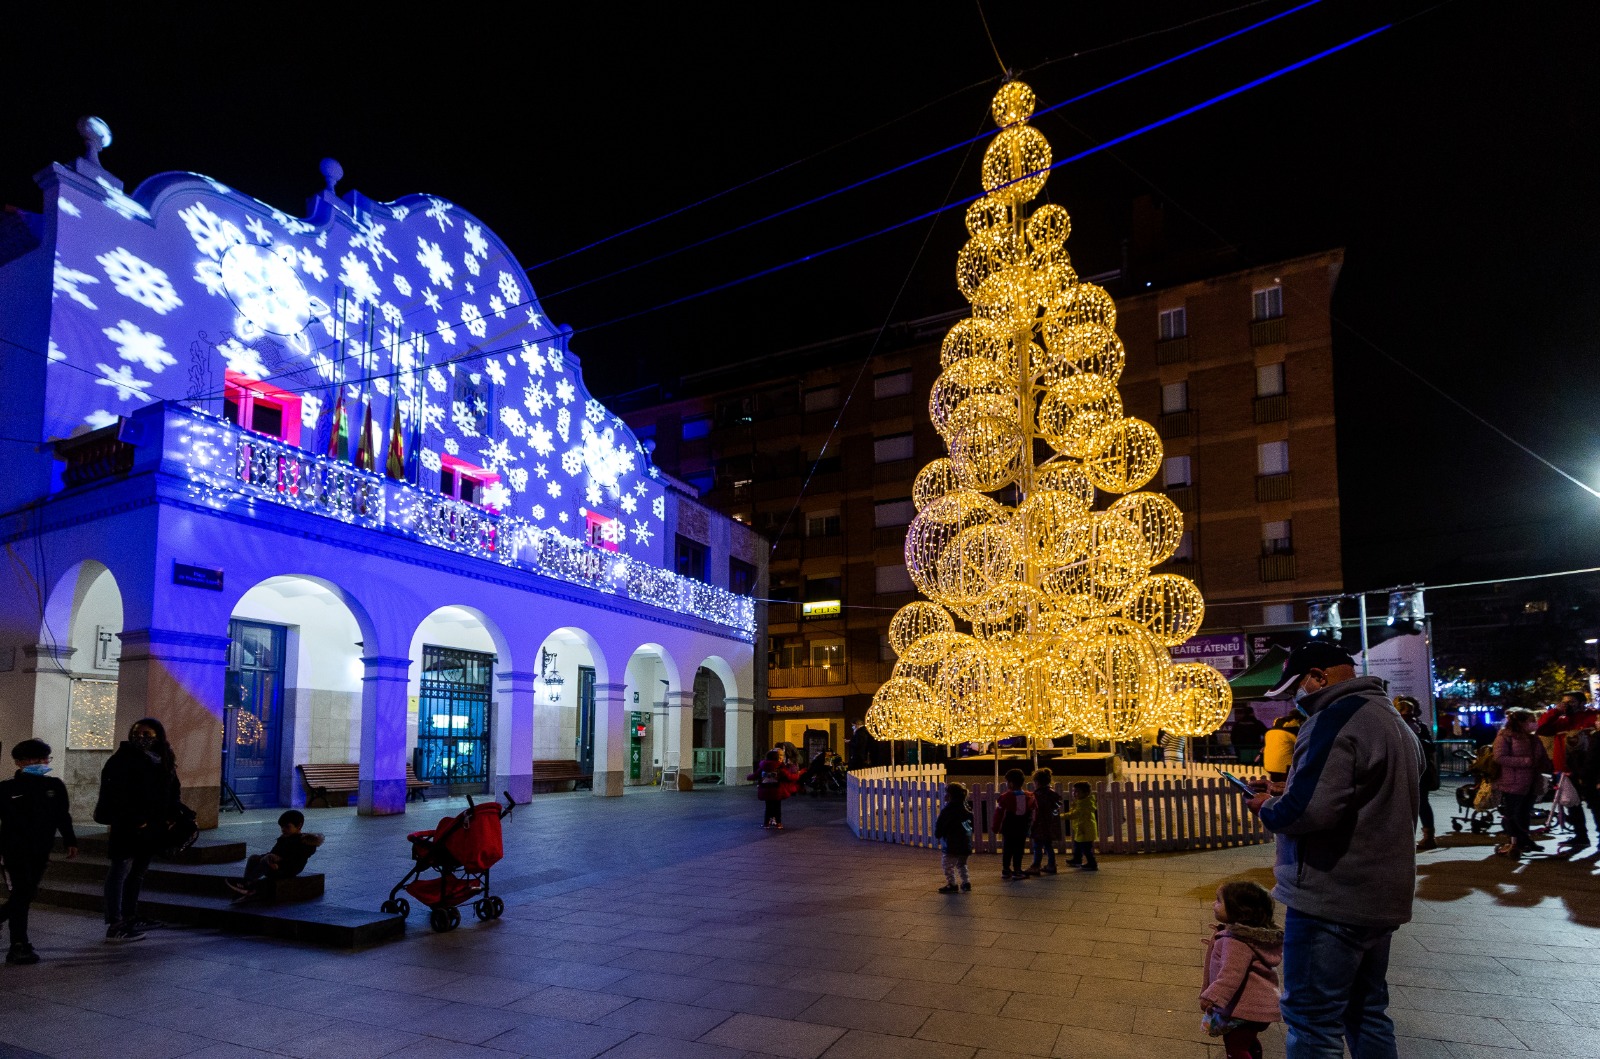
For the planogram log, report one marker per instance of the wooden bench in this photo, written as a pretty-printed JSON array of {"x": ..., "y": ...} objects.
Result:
[
  {"x": 547, "y": 775},
  {"x": 323, "y": 781}
]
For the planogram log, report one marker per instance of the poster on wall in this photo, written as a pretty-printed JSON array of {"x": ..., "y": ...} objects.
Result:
[
  {"x": 1223, "y": 652},
  {"x": 1405, "y": 662}
]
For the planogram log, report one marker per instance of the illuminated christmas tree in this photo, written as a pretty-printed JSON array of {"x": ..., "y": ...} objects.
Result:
[{"x": 1042, "y": 617}]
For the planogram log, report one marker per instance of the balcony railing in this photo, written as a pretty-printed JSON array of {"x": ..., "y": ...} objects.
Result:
[
  {"x": 225, "y": 462},
  {"x": 1263, "y": 332},
  {"x": 1172, "y": 350},
  {"x": 1272, "y": 409},
  {"x": 806, "y": 676},
  {"x": 1277, "y": 567},
  {"x": 1175, "y": 424},
  {"x": 1275, "y": 486}
]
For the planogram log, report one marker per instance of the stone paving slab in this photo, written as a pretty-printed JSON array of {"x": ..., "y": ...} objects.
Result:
[{"x": 700, "y": 935}]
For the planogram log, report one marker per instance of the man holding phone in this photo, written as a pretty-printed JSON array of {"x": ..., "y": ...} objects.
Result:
[{"x": 1346, "y": 863}]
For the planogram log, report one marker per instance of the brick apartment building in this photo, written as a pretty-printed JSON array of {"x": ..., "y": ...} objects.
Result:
[{"x": 817, "y": 448}]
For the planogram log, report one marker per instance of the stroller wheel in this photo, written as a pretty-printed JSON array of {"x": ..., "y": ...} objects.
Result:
[
  {"x": 1456, "y": 824},
  {"x": 404, "y": 908},
  {"x": 443, "y": 919},
  {"x": 481, "y": 910},
  {"x": 497, "y": 907},
  {"x": 389, "y": 908}
]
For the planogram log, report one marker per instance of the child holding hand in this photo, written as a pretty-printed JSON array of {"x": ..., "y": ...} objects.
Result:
[{"x": 1239, "y": 997}]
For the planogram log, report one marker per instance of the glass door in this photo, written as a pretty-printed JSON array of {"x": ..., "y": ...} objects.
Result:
[
  {"x": 453, "y": 716},
  {"x": 586, "y": 719},
  {"x": 253, "y": 722}
]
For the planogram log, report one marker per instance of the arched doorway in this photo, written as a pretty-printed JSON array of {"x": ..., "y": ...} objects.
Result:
[
  {"x": 293, "y": 691},
  {"x": 75, "y": 664},
  {"x": 453, "y": 705},
  {"x": 710, "y": 726},
  {"x": 651, "y": 678},
  {"x": 570, "y": 664}
]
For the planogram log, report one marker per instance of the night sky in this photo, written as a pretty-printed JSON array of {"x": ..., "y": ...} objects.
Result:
[{"x": 1452, "y": 155}]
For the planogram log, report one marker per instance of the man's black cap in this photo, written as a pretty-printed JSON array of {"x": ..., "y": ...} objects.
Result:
[{"x": 1313, "y": 654}]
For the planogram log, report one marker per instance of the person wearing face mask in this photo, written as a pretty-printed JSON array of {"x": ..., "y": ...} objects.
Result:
[
  {"x": 1346, "y": 858},
  {"x": 33, "y": 807},
  {"x": 139, "y": 793}
]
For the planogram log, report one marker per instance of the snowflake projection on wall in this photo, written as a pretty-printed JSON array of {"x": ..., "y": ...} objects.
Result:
[{"x": 383, "y": 317}]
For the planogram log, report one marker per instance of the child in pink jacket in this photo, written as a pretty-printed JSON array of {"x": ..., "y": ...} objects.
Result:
[{"x": 1240, "y": 989}]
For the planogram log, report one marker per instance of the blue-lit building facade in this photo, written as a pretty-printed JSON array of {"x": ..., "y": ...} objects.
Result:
[{"x": 331, "y": 489}]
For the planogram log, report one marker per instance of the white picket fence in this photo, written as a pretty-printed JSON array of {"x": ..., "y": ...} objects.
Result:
[{"x": 1149, "y": 809}]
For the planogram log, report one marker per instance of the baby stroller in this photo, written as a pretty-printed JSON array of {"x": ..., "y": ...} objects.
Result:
[
  {"x": 1477, "y": 798},
  {"x": 461, "y": 850}
]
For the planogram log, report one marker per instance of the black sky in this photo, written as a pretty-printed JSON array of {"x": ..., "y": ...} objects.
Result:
[{"x": 1453, "y": 155}]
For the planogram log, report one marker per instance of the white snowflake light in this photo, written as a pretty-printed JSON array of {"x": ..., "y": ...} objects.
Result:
[
  {"x": 121, "y": 379},
  {"x": 139, "y": 281},
  {"x": 430, "y": 459},
  {"x": 472, "y": 319},
  {"x": 475, "y": 238},
  {"x": 141, "y": 347},
  {"x": 67, "y": 281},
  {"x": 357, "y": 279},
  {"x": 565, "y": 391},
  {"x": 431, "y": 257},
  {"x": 452, "y": 446}
]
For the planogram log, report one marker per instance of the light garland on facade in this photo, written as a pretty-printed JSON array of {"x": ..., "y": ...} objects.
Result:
[
  {"x": 225, "y": 465},
  {"x": 1069, "y": 630}
]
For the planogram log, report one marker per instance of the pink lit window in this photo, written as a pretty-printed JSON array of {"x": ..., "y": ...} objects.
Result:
[
  {"x": 596, "y": 524},
  {"x": 461, "y": 480},
  {"x": 262, "y": 407}
]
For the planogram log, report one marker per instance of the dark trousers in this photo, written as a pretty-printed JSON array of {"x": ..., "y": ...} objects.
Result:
[
  {"x": 1043, "y": 847},
  {"x": 1013, "y": 841},
  {"x": 1083, "y": 853},
  {"x": 1425, "y": 811},
  {"x": 772, "y": 812},
  {"x": 1515, "y": 811},
  {"x": 24, "y": 874},
  {"x": 1580, "y": 826},
  {"x": 1244, "y": 1042},
  {"x": 123, "y": 882}
]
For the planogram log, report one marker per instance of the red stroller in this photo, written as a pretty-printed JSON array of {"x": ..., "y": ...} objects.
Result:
[{"x": 461, "y": 850}]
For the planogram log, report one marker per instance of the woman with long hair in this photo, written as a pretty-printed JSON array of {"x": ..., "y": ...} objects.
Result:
[
  {"x": 1522, "y": 760},
  {"x": 139, "y": 797}
]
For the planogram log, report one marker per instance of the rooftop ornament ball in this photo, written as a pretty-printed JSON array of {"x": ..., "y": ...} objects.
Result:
[{"x": 1043, "y": 615}]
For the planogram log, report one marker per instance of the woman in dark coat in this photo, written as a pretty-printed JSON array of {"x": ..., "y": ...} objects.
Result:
[
  {"x": 139, "y": 798},
  {"x": 775, "y": 780}
]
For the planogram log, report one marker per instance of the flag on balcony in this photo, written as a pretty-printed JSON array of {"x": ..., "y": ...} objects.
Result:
[
  {"x": 397, "y": 449},
  {"x": 366, "y": 459},
  {"x": 339, "y": 429}
]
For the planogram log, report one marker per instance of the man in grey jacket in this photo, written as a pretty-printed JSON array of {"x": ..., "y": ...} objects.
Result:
[{"x": 1346, "y": 863}]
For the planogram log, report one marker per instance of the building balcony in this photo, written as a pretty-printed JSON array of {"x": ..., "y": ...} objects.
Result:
[
  {"x": 1175, "y": 424},
  {"x": 1172, "y": 350},
  {"x": 230, "y": 468},
  {"x": 1275, "y": 486},
  {"x": 806, "y": 676},
  {"x": 1265, "y": 332},
  {"x": 1184, "y": 496},
  {"x": 1272, "y": 409},
  {"x": 1277, "y": 567}
]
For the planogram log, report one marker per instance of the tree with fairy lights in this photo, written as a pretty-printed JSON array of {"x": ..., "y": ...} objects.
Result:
[{"x": 1042, "y": 617}]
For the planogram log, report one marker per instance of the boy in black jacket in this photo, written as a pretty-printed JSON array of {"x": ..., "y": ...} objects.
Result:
[
  {"x": 33, "y": 807},
  {"x": 953, "y": 829},
  {"x": 286, "y": 859}
]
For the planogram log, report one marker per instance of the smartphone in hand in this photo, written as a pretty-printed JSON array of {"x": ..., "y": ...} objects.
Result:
[{"x": 1244, "y": 788}]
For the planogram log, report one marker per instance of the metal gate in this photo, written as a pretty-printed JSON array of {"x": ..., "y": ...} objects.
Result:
[
  {"x": 586, "y": 719},
  {"x": 253, "y": 712},
  {"x": 453, "y": 716}
]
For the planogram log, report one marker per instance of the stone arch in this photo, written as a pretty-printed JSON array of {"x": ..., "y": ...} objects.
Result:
[
  {"x": 652, "y": 677},
  {"x": 460, "y": 730},
  {"x": 561, "y": 731},
  {"x": 295, "y": 665},
  {"x": 75, "y": 664},
  {"x": 737, "y": 721}
]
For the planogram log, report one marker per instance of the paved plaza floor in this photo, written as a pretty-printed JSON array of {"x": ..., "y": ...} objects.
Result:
[{"x": 671, "y": 925}]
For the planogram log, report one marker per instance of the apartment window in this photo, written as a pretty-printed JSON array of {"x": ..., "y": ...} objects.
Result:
[
  {"x": 1175, "y": 472},
  {"x": 1277, "y": 538},
  {"x": 1174, "y": 323},
  {"x": 263, "y": 407},
  {"x": 894, "y": 447},
  {"x": 1277, "y": 614},
  {"x": 736, "y": 410},
  {"x": 1185, "y": 550},
  {"x": 825, "y": 654},
  {"x": 1175, "y": 397},
  {"x": 1268, "y": 303},
  {"x": 696, "y": 427},
  {"x": 822, "y": 463},
  {"x": 821, "y": 398},
  {"x": 893, "y": 512},
  {"x": 789, "y": 655},
  {"x": 894, "y": 384},
  {"x": 690, "y": 558},
  {"x": 822, "y": 524},
  {"x": 602, "y": 531},
  {"x": 821, "y": 589},
  {"x": 741, "y": 577},
  {"x": 1269, "y": 380},
  {"x": 460, "y": 480},
  {"x": 1272, "y": 457},
  {"x": 893, "y": 579}
]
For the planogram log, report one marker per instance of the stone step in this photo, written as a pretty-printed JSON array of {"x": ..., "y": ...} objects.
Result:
[
  {"x": 204, "y": 851},
  {"x": 317, "y": 921},
  {"x": 209, "y": 880}
]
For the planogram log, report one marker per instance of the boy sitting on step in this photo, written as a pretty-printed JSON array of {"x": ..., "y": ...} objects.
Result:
[{"x": 287, "y": 858}]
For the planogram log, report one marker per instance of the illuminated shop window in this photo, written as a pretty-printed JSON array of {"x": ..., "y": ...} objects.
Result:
[{"x": 262, "y": 407}]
